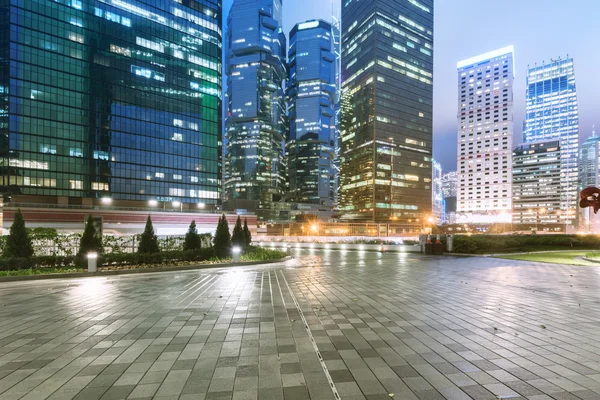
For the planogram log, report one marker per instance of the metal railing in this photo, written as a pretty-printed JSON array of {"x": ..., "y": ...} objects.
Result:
[{"x": 108, "y": 207}]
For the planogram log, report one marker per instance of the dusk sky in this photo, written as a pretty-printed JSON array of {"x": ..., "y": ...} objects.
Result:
[{"x": 539, "y": 29}]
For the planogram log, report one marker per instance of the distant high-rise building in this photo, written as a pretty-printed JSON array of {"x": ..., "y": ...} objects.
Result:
[
  {"x": 256, "y": 120},
  {"x": 437, "y": 197},
  {"x": 485, "y": 137},
  {"x": 111, "y": 98},
  {"x": 552, "y": 114},
  {"x": 589, "y": 175},
  {"x": 589, "y": 162},
  {"x": 449, "y": 185},
  {"x": 312, "y": 94},
  {"x": 536, "y": 185},
  {"x": 387, "y": 71}
]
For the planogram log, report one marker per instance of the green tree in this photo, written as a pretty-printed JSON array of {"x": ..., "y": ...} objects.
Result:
[
  {"x": 18, "y": 243},
  {"x": 238, "y": 239},
  {"x": 247, "y": 234},
  {"x": 91, "y": 241},
  {"x": 148, "y": 240},
  {"x": 222, "y": 241},
  {"x": 192, "y": 239}
]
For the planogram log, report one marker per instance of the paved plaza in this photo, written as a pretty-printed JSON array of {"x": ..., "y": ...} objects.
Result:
[{"x": 325, "y": 325}]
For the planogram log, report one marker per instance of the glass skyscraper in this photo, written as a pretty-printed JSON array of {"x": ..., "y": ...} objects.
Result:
[
  {"x": 312, "y": 95},
  {"x": 552, "y": 114},
  {"x": 256, "y": 120},
  {"x": 437, "y": 195},
  {"x": 589, "y": 175},
  {"x": 111, "y": 98},
  {"x": 387, "y": 72},
  {"x": 589, "y": 162},
  {"x": 536, "y": 186}
]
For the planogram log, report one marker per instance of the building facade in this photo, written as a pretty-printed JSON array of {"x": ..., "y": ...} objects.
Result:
[
  {"x": 256, "y": 123},
  {"x": 437, "y": 197},
  {"x": 114, "y": 98},
  {"x": 386, "y": 142},
  {"x": 449, "y": 184},
  {"x": 536, "y": 186},
  {"x": 589, "y": 162},
  {"x": 485, "y": 137},
  {"x": 589, "y": 175},
  {"x": 312, "y": 92},
  {"x": 552, "y": 114}
]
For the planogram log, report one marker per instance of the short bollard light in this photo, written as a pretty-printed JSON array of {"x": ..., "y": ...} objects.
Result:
[
  {"x": 236, "y": 252},
  {"x": 289, "y": 249},
  {"x": 92, "y": 262}
]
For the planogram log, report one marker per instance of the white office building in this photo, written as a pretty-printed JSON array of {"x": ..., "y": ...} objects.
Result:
[{"x": 485, "y": 137}]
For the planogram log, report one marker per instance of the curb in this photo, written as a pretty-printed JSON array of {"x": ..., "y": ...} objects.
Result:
[
  {"x": 533, "y": 252},
  {"x": 140, "y": 270},
  {"x": 591, "y": 260}
]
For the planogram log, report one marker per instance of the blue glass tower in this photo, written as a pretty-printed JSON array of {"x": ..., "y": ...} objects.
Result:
[
  {"x": 256, "y": 120},
  {"x": 552, "y": 114},
  {"x": 118, "y": 98},
  {"x": 312, "y": 94}
]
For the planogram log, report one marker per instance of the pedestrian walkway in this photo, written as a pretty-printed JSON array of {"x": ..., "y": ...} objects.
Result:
[{"x": 353, "y": 325}]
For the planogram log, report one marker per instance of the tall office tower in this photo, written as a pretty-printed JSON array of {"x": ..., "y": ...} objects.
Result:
[
  {"x": 312, "y": 95},
  {"x": 387, "y": 70},
  {"x": 536, "y": 186},
  {"x": 111, "y": 98},
  {"x": 589, "y": 162},
  {"x": 256, "y": 120},
  {"x": 437, "y": 197},
  {"x": 485, "y": 137},
  {"x": 552, "y": 114},
  {"x": 449, "y": 183},
  {"x": 589, "y": 175}
]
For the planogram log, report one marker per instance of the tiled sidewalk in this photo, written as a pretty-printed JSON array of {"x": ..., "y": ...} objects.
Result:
[{"x": 356, "y": 325}]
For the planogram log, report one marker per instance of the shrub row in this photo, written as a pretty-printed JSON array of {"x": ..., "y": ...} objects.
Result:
[
  {"x": 262, "y": 254},
  {"x": 167, "y": 257},
  {"x": 12, "y": 264},
  {"x": 497, "y": 243},
  {"x": 125, "y": 259}
]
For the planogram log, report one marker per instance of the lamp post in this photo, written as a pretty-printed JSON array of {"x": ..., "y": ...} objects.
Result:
[
  {"x": 235, "y": 252},
  {"x": 92, "y": 262}
]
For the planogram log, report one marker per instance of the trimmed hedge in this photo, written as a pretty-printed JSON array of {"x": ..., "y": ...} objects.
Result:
[
  {"x": 12, "y": 264},
  {"x": 165, "y": 257},
  {"x": 107, "y": 260},
  {"x": 262, "y": 254},
  {"x": 478, "y": 244},
  {"x": 131, "y": 259}
]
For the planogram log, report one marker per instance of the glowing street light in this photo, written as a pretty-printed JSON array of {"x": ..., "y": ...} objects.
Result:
[
  {"x": 92, "y": 262},
  {"x": 235, "y": 252},
  {"x": 152, "y": 203}
]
